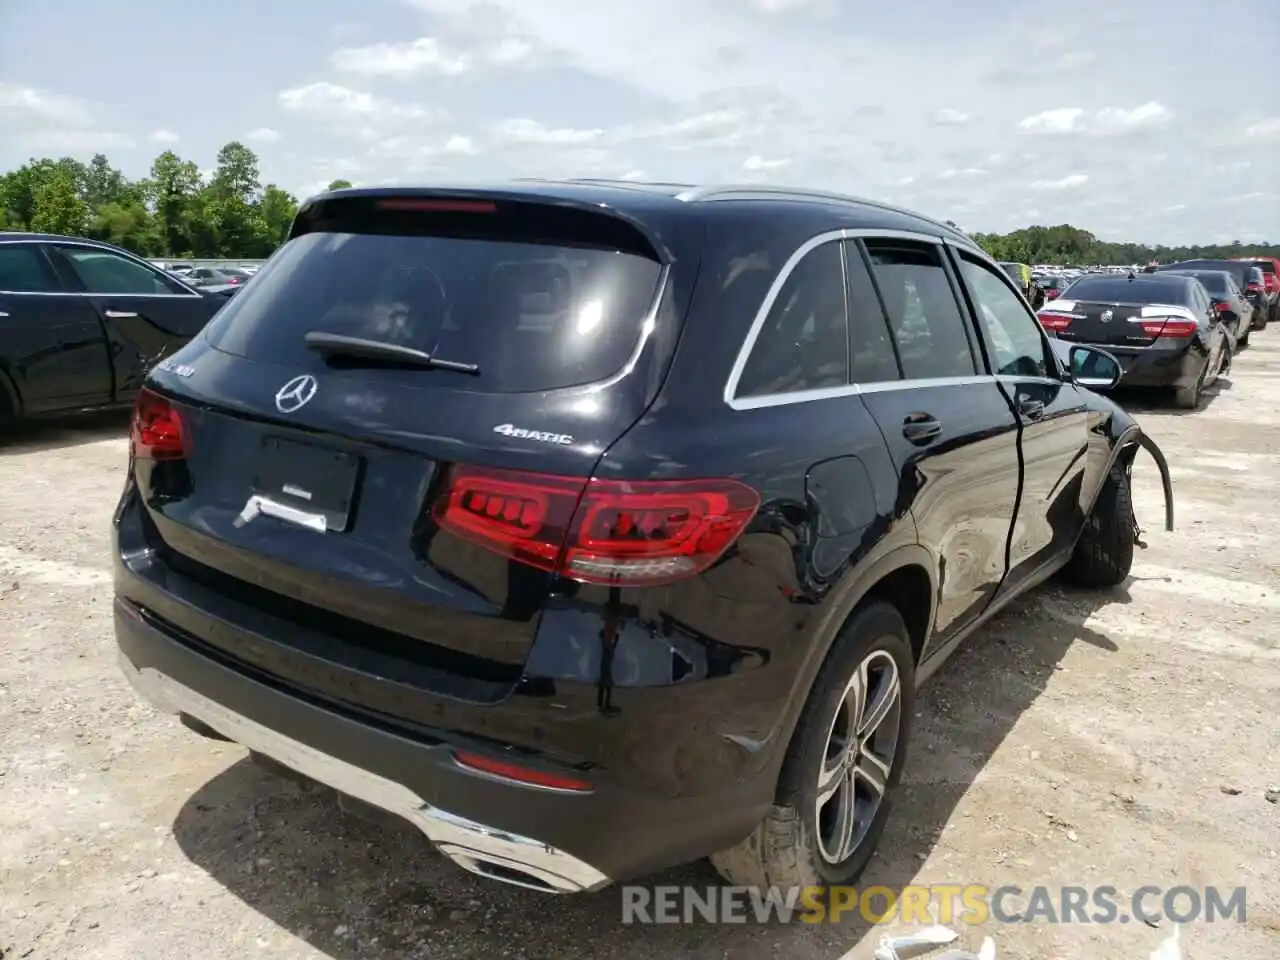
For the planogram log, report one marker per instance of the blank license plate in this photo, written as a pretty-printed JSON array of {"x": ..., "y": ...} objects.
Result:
[{"x": 308, "y": 478}]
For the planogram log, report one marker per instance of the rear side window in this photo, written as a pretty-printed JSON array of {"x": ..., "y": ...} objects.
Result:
[
  {"x": 922, "y": 309},
  {"x": 533, "y": 316},
  {"x": 104, "y": 272},
  {"x": 802, "y": 343},
  {"x": 872, "y": 356},
  {"x": 23, "y": 270}
]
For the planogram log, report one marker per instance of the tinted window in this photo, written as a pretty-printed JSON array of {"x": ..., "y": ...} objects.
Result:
[
  {"x": 922, "y": 310},
  {"x": 871, "y": 353},
  {"x": 1266, "y": 266},
  {"x": 802, "y": 345},
  {"x": 533, "y": 316},
  {"x": 23, "y": 270},
  {"x": 1018, "y": 347},
  {"x": 1148, "y": 288},
  {"x": 104, "y": 272},
  {"x": 1236, "y": 268},
  {"x": 1213, "y": 280}
]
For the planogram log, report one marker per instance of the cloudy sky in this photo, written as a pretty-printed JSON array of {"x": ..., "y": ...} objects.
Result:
[{"x": 1136, "y": 119}]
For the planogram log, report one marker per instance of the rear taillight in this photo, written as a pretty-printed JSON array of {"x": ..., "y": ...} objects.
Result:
[
  {"x": 1222, "y": 307},
  {"x": 1252, "y": 288},
  {"x": 156, "y": 431},
  {"x": 1169, "y": 327},
  {"x": 1054, "y": 321},
  {"x": 615, "y": 532}
]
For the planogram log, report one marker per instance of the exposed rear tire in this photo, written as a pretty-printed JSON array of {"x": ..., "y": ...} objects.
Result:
[
  {"x": 801, "y": 843},
  {"x": 1103, "y": 555},
  {"x": 1188, "y": 398},
  {"x": 1243, "y": 341}
]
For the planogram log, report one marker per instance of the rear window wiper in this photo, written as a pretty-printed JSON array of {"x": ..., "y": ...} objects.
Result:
[{"x": 335, "y": 346}]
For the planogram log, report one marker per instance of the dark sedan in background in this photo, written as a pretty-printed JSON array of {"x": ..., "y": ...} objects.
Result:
[
  {"x": 1247, "y": 275},
  {"x": 1162, "y": 328},
  {"x": 82, "y": 322},
  {"x": 1229, "y": 300}
]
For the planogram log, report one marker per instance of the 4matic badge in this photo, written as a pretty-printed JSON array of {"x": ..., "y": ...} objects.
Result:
[{"x": 520, "y": 433}]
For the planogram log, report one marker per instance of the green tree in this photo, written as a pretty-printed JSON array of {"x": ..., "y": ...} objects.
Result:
[
  {"x": 339, "y": 184},
  {"x": 174, "y": 185},
  {"x": 279, "y": 207},
  {"x": 59, "y": 207}
]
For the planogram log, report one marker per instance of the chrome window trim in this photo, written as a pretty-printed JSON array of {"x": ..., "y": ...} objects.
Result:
[
  {"x": 100, "y": 248},
  {"x": 775, "y": 290}
]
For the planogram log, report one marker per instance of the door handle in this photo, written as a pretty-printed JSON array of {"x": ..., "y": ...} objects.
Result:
[
  {"x": 921, "y": 428},
  {"x": 1031, "y": 409},
  {"x": 120, "y": 314},
  {"x": 4, "y": 314}
]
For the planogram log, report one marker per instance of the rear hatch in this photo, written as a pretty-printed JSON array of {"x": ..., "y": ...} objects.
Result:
[{"x": 384, "y": 371}]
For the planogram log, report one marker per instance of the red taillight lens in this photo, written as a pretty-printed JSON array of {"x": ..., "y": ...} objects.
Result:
[
  {"x": 1252, "y": 288},
  {"x": 511, "y": 771},
  {"x": 410, "y": 205},
  {"x": 615, "y": 532},
  {"x": 1222, "y": 307},
  {"x": 156, "y": 431},
  {"x": 1055, "y": 321},
  {"x": 1169, "y": 327}
]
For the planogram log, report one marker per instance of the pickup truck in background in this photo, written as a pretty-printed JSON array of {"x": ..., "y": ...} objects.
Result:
[{"x": 81, "y": 323}]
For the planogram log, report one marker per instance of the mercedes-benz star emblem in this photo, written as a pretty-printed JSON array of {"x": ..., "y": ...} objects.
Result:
[
  {"x": 296, "y": 394},
  {"x": 1106, "y": 318}
]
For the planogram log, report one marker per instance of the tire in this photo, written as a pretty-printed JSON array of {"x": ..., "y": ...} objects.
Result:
[
  {"x": 1243, "y": 341},
  {"x": 1188, "y": 398},
  {"x": 1103, "y": 555},
  {"x": 796, "y": 844}
]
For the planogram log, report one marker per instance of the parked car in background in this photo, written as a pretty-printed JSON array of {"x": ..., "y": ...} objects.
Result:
[
  {"x": 476, "y": 566},
  {"x": 1162, "y": 327},
  {"x": 1248, "y": 277},
  {"x": 1270, "y": 267},
  {"x": 1228, "y": 299},
  {"x": 82, "y": 322},
  {"x": 1021, "y": 275},
  {"x": 211, "y": 276},
  {"x": 1053, "y": 285}
]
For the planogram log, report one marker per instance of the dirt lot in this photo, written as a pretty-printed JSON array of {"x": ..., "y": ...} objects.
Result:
[{"x": 1125, "y": 739}]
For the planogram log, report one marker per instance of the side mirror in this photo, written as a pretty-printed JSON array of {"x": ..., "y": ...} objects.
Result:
[{"x": 1093, "y": 368}]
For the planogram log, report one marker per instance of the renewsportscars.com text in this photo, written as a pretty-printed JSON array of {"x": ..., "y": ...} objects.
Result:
[{"x": 970, "y": 904}]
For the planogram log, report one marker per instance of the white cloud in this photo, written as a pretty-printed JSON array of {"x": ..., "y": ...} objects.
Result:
[
  {"x": 951, "y": 118},
  {"x": 425, "y": 55},
  {"x": 163, "y": 136},
  {"x": 758, "y": 164},
  {"x": 1061, "y": 120},
  {"x": 263, "y": 135},
  {"x": 1070, "y": 182},
  {"x": 633, "y": 175},
  {"x": 461, "y": 145},
  {"x": 329, "y": 100},
  {"x": 75, "y": 142},
  {"x": 1108, "y": 120},
  {"x": 524, "y": 131},
  {"x": 32, "y": 103},
  {"x": 1264, "y": 129}
]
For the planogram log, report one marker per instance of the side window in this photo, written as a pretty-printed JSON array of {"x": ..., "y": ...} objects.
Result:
[
  {"x": 23, "y": 270},
  {"x": 872, "y": 358},
  {"x": 103, "y": 272},
  {"x": 1017, "y": 345},
  {"x": 923, "y": 314},
  {"x": 802, "y": 344}
]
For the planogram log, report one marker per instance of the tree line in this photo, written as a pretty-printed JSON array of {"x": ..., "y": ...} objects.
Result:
[{"x": 177, "y": 212}]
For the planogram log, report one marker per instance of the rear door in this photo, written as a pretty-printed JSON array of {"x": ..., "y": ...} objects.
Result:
[
  {"x": 949, "y": 426},
  {"x": 147, "y": 314},
  {"x": 52, "y": 346},
  {"x": 1052, "y": 414}
]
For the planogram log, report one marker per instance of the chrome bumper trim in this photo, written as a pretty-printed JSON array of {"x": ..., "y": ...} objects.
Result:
[{"x": 496, "y": 854}]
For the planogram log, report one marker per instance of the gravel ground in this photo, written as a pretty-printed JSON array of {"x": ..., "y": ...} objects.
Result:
[{"x": 1122, "y": 739}]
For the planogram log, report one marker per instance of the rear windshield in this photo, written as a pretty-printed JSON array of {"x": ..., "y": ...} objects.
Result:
[
  {"x": 1147, "y": 289},
  {"x": 1236, "y": 268},
  {"x": 1215, "y": 281},
  {"x": 532, "y": 316},
  {"x": 1266, "y": 266}
]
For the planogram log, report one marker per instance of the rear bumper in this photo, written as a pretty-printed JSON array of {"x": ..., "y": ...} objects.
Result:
[
  {"x": 1155, "y": 367},
  {"x": 545, "y": 839},
  {"x": 472, "y": 845}
]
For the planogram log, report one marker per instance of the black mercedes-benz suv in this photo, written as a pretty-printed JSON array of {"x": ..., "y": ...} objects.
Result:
[{"x": 596, "y": 528}]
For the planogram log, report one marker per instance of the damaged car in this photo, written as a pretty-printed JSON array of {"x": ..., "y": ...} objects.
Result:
[{"x": 595, "y": 528}]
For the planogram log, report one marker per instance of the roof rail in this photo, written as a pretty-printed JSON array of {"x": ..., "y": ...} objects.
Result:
[{"x": 763, "y": 192}]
